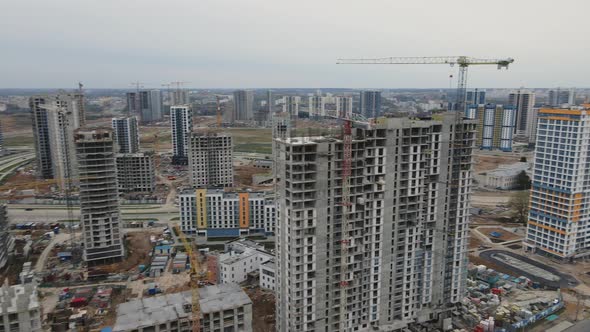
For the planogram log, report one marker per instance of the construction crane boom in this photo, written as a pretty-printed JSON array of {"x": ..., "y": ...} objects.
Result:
[{"x": 194, "y": 279}]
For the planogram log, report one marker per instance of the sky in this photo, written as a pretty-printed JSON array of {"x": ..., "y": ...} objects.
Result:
[{"x": 287, "y": 44}]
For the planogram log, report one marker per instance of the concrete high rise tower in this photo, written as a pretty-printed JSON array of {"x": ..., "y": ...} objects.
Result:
[
  {"x": 407, "y": 226},
  {"x": 125, "y": 134},
  {"x": 211, "y": 160},
  {"x": 99, "y": 196},
  {"x": 523, "y": 101},
  {"x": 181, "y": 120},
  {"x": 291, "y": 105},
  {"x": 243, "y": 105},
  {"x": 150, "y": 105},
  {"x": 370, "y": 104}
]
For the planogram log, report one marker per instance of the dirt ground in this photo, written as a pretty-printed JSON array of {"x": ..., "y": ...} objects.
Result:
[
  {"x": 490, "y": 162},
  {"x": 263, "y": 309},
  {"x": 475, "y": 242},
  {"x": 475, "y": 259},
  {"x": 243, "y": 175},
  {"x": 25, "y": 179},
  {"x": 506, "y": 235},
  {"x": 137, "y": 248}
]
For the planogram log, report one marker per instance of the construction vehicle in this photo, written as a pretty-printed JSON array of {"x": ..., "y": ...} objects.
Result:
[{"x": 196, "y": 278}]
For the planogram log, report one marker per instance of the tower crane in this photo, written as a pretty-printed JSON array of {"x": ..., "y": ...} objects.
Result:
[{"x": 462, "y": 61}]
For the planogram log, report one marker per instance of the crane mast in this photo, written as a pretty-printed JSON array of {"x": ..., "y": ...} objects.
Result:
[{"x": 194, "y": 280}]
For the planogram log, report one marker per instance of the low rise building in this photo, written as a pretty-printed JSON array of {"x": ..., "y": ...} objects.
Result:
[
  {"x": 267, "y": 275},
  {"x": 224, "y": 307},
  {"x": 19, "y": 308},
  {"x": 506, "y": 177},
  {"x": 136, "y": 172},
  {"x": 217, "y": 213},
  {"x": 234, "y": 266}
]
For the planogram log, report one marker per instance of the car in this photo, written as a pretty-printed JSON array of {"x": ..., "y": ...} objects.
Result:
[{"x": 29, "y": 209}]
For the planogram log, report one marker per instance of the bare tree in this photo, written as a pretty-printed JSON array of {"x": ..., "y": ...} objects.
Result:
[{"x": 519, "y": 202}]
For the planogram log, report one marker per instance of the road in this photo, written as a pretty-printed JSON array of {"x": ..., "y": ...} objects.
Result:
[{"x": 9, "y": 164}]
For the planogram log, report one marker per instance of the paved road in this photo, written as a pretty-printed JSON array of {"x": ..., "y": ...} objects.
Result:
[{"x": 13, "y": 162}]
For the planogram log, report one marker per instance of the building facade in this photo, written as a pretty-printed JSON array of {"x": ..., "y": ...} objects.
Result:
[
  {"x": 291, "y": 105},
  {"x": 370, "y": 104},
  {"x": 506, "y": 177},
  {"x": 234, "y": 267},
  {"x": 150, "y": 105},
  {"x": 344, "y": 107},
  {"x": 216, "y": 213},
  {"x": 243, "y": 105},
  {"x": 55, "y": 117},
  {"x": 524, "y": 102},
  {"x": 181, "y": 120},
  {"x": 179, "y": 97},
  {"x": 132, "y": 102},
  {"x": 267, "y": 275},
  {"x": 6, "y": 240},
  {"x": 407, "y": 226},
  {"x": 136, "y": 172},
  {"x": 475, "y": 97},
  {"x": 559, "y": 218},
  {"x": 317, "y": 105},
  {"x": 561, "y": 97},
  {"x": 20, "y": 310},
  {"x": 126, "y": 134},
  {"x": 495, "y": 128},
  {"x": 211, "y": 160},
  {"x": 99, "y": 196}
]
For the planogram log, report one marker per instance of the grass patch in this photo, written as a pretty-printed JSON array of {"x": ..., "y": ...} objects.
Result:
[
  {"x": 25, "y": 140},
  {"x": 254, "y": 148}
]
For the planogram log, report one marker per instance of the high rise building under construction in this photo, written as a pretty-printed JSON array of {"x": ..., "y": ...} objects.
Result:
[{"x": 406, "y": 224}]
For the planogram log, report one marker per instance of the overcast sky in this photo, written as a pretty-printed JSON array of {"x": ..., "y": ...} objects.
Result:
[{"x": 282, "y": 44}]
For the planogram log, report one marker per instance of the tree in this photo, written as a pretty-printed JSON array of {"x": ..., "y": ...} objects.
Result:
[
  {"x": 519, "y": 202},
  {"x": 523, "y": 182}
]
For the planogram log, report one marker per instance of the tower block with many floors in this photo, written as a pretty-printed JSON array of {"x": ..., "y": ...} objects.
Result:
[{"x": 407, "y": 224}]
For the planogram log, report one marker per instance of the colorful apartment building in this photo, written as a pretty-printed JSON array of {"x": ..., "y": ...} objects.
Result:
[
  {"x": 495, "y": 127},
  {"x": 559, "y": 216},
  {"x": 219, "y": 213}
]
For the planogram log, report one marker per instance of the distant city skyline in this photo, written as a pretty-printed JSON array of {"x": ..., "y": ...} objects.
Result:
[{"x": 227, "y": 43}]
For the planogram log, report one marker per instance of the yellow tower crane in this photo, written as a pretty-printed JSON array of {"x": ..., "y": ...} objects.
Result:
[{"x": 194, "y": 278}]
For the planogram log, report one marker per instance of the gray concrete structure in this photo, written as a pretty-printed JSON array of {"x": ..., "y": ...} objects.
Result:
[
  {"x": 126, "y": 134},
  {"x": 99, "y": 196},
  {"x": 224, "y": 307},
  {"x": 561, "y": 97},
  {"x": 150, "y": 105},
  {"x": 370, "y": 104},
  {"x": 407, "y": 226},
  {"x": 181, "y": 121},
  {"x": 243, "y": 105},
  {"x": 6, "y": 240},
  {"x": 211, "y": 160},
  {"x": 19, "y": 308},
  {"x": 524, "y": 101},
  {"x": 54, "y": 118},
  {"x": 136, "y": 172},
  {"x": 179, "y": 97}
]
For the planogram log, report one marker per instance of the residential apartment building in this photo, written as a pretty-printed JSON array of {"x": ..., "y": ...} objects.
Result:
[
  {"x": 1, "y": 140},
  {"x": 181, "y": 120},
  {"x": 150, "y": 105},
  {"x": 126, "y": 134},
  {"x": 136, "y": 172},
  {"x": 269, "y": 103},
  {"x": 6, "y": 240},
  {"x": 243, "y": 105},
  {"x": 217, "y": 213},
  {"x": 407, "y": 226},
  {"x": 317, "y": 105},
  {"x": 291, "y": 105},
  {"x": 559, "y": 216},
  {"x": 55, "y": 117},
  {"x": 524, "y": 102},
  {"x": 211, "y": 160},
  {"x": 224, "y": 307},
  {"x": 178, "y": 97},
  {"x": 561, "y": 97},
  {"x": 370, "y": 104},
  {"x": 20, "y": 310},
  {"x": 132, "y": 102},
  {"x": 344, "y": 107},
  {"x": 475, "y": 97},
  {"x": 99, "y": 196},
  {"x": 495, "y": 128}
]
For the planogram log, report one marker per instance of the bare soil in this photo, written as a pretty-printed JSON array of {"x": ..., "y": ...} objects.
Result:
[
  {"x": 243, "y": 176},
  {"x": 506, "y": 235},
  {"x": 263, "y": 309},
  {"x": 137, "y": 248},
  {"x": 490, "y": 162}
]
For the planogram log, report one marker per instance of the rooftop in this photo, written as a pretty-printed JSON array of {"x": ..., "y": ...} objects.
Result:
[
  {"x": 171, "y": 307},
  {"x": 18, "y": 298}
]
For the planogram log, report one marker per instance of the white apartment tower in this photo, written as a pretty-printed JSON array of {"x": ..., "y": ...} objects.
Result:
[
  {"x": 181, "y": 120},
  {"x": 524, "y": 101},
  {"x": 55, "y": 117},
  {"x": 291, "y": 105},
  {"x": 99, "y": 196},
  {"x": 407, "y": 227},
  {"x": 317, "y": 105},
  {"x": 211, "y": 160},
  {"x": 125, "y": 134},
  {"x": 344, "y": 107},
  {"x": 559, "y": 215}
]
